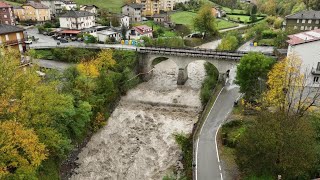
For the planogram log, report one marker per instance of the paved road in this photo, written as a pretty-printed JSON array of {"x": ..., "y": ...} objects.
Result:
[
  {"x": 207, "y": 162},
  {"x": 263, "y": 49}
]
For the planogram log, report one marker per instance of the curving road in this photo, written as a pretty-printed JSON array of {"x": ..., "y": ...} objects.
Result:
[{"x": 208, "y": 166}]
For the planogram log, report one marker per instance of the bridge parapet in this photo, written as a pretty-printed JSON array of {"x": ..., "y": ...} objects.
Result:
[{"x": 205, "y": 53}]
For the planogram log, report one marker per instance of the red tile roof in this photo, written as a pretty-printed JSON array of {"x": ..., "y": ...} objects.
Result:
[
  {"x": 4, "y": 5},
  {"x": 304, "y": 37},
  {"x": 143, "y": 29},
  {"x": 70, "y": 31}
]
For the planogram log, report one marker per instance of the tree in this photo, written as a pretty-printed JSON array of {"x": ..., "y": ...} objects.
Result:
[
  {"x": 251, "y": 71},
  {"x": 289, "y": 90},
  {"x": 21, "y": 153},
  {"x": 274, "y": 146},
  {"x": 281, "y": 40},
  {"x": 270, "y": 7},
  {"x": 204, "y": 22},
  {"x": 115, "y": 21},
  {"x": 228, "y": 43},
  {"x": 124, "y": 30}
]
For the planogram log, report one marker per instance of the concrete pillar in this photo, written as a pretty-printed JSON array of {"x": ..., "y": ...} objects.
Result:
[
  {"x": 145, "y": 67},
  {"x": 182, "y": 76}
]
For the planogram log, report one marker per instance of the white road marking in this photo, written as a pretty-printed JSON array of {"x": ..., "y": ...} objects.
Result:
[{"x": 197, "y": 147}]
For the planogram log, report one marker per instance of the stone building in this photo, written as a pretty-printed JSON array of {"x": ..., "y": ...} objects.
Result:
[{"x": 302, "y": 21}]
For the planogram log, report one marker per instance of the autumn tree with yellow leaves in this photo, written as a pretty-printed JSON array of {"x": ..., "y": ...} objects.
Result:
[{"x": 289, "y": 87}]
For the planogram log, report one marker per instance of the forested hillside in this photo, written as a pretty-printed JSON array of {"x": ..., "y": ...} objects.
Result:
[{"x": 41, "y": 119}]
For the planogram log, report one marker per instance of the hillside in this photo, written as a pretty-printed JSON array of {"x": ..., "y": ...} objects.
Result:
[{"x": 111, "y": 5}]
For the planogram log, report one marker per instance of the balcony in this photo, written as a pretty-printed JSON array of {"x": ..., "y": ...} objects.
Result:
[
  {"x": 315, "y": 71},
  {"x": 12, "y": 43}
]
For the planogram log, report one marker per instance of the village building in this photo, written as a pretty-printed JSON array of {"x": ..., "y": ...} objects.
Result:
[
  {"x": 12, "y": 36},
  {"x": 139, "y": 31},
  {"x": 306, "y": 46},
  {"x": 33, "y": 11},
  {"x": 7, "y": 14},
  {"x": 77, "y": 20},
  {"x": 302, "y": 21},
  {"x": 133, "y": 10}
]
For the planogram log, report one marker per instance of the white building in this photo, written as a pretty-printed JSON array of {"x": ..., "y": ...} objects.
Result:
[
  {"x": 69, "y": 5},
  {"x": 77, "y": 20},
  {"x": 89, "y": 8},
  {"x": 57, "y": 6},
  {"x": 124, "y": 20},
  {"x": 104, "y": 35},
  {"x": 306, "y": 45}
]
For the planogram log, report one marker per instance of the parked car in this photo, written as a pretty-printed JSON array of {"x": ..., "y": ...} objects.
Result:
[
  {"x": 73, "y": 38},
  {"x": 45, "y": 33},
  {"x": 51, "y": 33},
  {"x": 55, "y": 36},
  {"x": 59, "y": 37},
  {"x": 62, "y": 40},
  {"x": 79, "y": 39},
  {"x": 29, "y": 41}
]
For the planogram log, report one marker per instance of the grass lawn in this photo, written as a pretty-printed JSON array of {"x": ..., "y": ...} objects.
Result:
[
  {"x": 13, "y": 3},
  {"x": 242, "y": 18},
  {"x": 111, "y": 5},
  {"x": 238, "y": 11},
  {"x": 223, "y": 24},
  {"x": 183, "y": 17}
]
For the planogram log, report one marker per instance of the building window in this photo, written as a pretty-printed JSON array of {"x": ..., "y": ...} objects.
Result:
[
  {"x": 303, "y": 21},
  {"x": 3, "y": 9},
  {"x": 5, "y": 16},
  {"x": 318, "y": 66},
  {"x": 295, "y": 27},
  {"x": 315, "y": 27},
  {"x": 315, "y": 79},
  {"x": 309, "y": 21},
  {"x": 297, "y": 20},
  {"x": 302, "y": 28},
  {"x": 317, "y": 21}
]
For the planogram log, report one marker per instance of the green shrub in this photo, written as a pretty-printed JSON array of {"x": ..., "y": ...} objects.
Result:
[
  {"x": 266, "y": 42},
  {"x": 268, "y": 34},
  {"x": 209, "y": 83},
  {"x": 193, "y": 42}
]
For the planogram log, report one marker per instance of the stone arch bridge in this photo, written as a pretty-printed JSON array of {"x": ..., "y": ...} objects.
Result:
[{"x": 223, "y": 61}]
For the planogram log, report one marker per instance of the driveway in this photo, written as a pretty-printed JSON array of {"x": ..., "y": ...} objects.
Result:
[{"x": 208, "y": 165}]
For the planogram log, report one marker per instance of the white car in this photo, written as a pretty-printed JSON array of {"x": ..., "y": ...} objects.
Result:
[{"x": 29, "y": 41}]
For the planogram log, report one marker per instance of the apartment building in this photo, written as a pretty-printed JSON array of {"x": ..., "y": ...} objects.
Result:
[
  {"x": 12, "y": 36},
  {"x": 77, "y": 20},
  {"x": 7, "y": 14},
  {"x": 302, "y": 21},
  {"x": 152, "y": 7},
  {"x": 133, "y": 10},
  {"x": 33, "y": 11},
  {"x": 58, "y": 6}
]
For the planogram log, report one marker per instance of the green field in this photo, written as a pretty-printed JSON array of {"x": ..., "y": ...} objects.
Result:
[
  {"x": 186, "y": 18},
  {"x": 242, "y": 18},
  {"x": 223, "y": 24},
  {"x": 238, "y": 11},
  {"x": 111, "y": 5},
  {"x": 183, "y": 17}
]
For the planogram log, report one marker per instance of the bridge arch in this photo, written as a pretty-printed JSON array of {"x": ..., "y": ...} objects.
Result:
[{"x": 182, "y": 62}]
